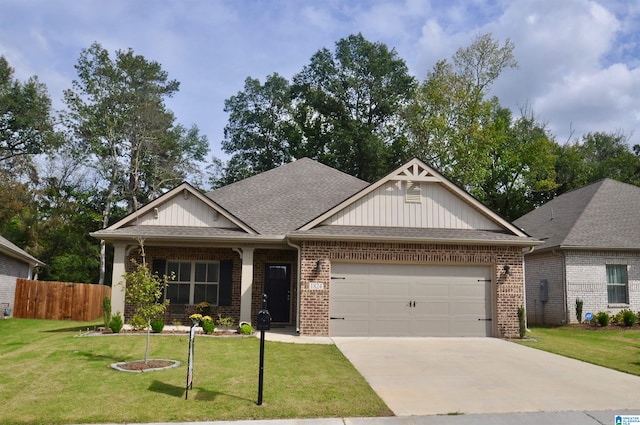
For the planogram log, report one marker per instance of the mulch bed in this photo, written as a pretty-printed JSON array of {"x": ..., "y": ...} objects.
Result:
[{"x": 141, "y": 365}]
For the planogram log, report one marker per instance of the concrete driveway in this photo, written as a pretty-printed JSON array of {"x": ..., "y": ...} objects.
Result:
[{"x": 427, "y": 376}]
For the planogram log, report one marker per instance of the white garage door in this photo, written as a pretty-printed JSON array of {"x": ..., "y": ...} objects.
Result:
[{"x": 409, "y": 300}]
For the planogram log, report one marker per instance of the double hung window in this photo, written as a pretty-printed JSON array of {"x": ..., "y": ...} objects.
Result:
[
  {"x": 617, "y": 282},
  {"x": 194, "y": 282}
]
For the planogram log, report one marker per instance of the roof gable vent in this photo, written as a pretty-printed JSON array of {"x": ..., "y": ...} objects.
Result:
[{"x": 413, "y": 192}]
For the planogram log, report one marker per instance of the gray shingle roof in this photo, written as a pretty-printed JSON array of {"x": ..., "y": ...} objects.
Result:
[
  {"x": 601, "y": 215},
  {"x": 12, "y": 250},
  {"x": 283, "y": 199},
  {"x": 429, "y": 235}
]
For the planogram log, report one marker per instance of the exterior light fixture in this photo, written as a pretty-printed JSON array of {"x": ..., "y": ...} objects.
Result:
[
  {"x": 318, "y": 265},
  {"x": 507, "y": 269}
]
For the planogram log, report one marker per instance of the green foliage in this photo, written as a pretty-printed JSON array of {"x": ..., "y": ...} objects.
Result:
[
  {"x": 626, "y": 318},
  {"x": 138, "y": 323},
  {"x": 208, "y": 325},
  {"x": 522, "y": 322},
  {"x": 203, "y": 308},
  {"x": 116, "y": 323},
  {"x": 579, "y": 304},
  {"x": 106, "y": 310},
  {"x": 225, "y": 322},
  {"x": 157, "y": 325},
  {"x": 246, "y": 329},
  {"x": 603, "y": 318}
]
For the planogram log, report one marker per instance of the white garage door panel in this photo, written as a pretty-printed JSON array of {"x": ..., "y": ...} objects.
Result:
[{"x": 410, "y": 300}]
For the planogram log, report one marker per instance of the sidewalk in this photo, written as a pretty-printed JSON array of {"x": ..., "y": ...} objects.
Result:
[{"x": 605, "y": 417}]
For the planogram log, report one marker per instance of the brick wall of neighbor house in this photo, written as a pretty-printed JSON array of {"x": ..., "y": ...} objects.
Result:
[
  {"x": 10, "y": 270},
  {"x": 314, "y": 315},
  {"x": 545, "y": 266},
  {"x": 587, "y": 279},
  {"x": 181, "y": 313}
]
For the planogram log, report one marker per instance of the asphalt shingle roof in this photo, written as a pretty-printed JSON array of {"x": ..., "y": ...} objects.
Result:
[
  {"x": 283, "y": 199},
  {"x": 601, "y": 215},
  {"x": 11, "y": 249}
]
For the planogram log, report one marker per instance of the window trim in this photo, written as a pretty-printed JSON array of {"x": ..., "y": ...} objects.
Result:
[
  {"x": 192, "y": 282},
  {"x": 618, "y": 284}
]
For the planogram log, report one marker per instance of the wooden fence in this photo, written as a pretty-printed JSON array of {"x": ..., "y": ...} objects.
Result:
[{"x": 37, "y": 299}]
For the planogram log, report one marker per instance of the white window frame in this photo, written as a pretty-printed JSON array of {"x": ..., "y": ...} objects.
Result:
[
  {"x": 192, "y": 280},
  {"x": 624, "y": 284}
]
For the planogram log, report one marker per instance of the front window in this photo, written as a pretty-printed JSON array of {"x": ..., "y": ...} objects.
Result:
[
  {"x": 617, "y": 284},
  {"x": 194, "y": 282}
]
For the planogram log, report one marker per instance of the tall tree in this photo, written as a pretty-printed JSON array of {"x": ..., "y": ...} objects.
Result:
[
  {"x": 348, "y": 106},
  {"x": 449, "y": 117},
  {"x": 26, "y": 127},
  {"x": 261, "y": 133},
  {"x": 117, "y": 111},
  {"x": 596, "y": 156}
]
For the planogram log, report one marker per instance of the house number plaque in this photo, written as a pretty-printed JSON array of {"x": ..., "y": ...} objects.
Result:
[{"x": 316, "y": 286}]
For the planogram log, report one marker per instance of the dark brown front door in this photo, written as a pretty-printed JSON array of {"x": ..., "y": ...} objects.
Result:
[{"x": 277, "y": 286}]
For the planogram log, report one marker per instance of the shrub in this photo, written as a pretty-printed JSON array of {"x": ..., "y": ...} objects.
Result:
[
  {"x": 225, "y": 322},
  {"x": 603, "y": 318},
  {"x": 116, "y": 323},
  {"x": 204, "y": 308},
  {"x": 521, "y": 321},
  {"x": 579, "y": 304},
  {"x": 628, "y": 318},
  {"x": 157, "y": 325},
  {"x": 207, "y": 324},
  {"x": 106, "y": 310},
  {"x": 138, "y": 323},
  {"x": 246, "y": 329}
]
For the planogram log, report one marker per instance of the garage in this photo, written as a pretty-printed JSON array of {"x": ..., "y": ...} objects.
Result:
[{"x": 368, "y": 299}]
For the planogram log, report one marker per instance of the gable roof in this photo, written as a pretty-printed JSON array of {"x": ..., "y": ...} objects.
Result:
[
  {"x": 601, "y": 215},
  {"x": 8, "y": 248},
  {"x": 417, "y": 171},
  {"x": 283, "y": 199}
]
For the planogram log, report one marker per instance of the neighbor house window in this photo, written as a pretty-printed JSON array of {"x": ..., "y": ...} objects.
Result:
[
  {"x": 617, "y": 284},
  {"x": 194, "y": 282}
]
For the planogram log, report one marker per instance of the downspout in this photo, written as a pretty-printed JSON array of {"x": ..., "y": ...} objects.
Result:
[
  {"x": 524, "y": 288},
  {"x": 298, "y": 248}
]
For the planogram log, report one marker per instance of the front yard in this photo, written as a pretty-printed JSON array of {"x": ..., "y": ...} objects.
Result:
[
  {"x": 51, "y": 375},
  {"x": 612, "y": 347}
]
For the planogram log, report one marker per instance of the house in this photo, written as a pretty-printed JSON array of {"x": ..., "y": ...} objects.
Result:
[
  {"x": 14, "y": 263},
  {"x": 411, "y": 254},
  {"x": 591, "y": 252}
]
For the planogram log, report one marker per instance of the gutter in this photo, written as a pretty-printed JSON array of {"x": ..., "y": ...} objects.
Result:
[{"x": 529, "y": 243}]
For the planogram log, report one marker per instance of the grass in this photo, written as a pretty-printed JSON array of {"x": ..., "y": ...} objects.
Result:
[
  {"x": 50, "y": 375},
  {"x": 612, "y": 347}
]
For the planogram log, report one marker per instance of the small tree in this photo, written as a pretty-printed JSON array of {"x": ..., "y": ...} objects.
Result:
[
  {"x": 144, "y": 291},
  {"x": 522, "y": 325},
  {"x": 579, "y": 304}
]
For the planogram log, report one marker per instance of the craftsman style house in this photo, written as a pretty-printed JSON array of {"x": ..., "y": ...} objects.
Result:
[{"x": 411, "y": 254}]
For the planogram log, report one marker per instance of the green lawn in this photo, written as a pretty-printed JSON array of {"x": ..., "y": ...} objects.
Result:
[
  {"x": 613, "y": 347},
  {"x": 50, "y": 375}
]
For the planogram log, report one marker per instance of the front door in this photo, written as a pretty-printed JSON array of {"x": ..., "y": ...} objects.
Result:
[{"x": 277, "y": 286}]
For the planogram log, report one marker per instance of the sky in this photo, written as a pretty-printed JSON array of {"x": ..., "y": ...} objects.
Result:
[{"x": 579, "y": 60}]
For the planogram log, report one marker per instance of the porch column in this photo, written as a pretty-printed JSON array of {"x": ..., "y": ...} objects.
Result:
[
  {"x": 246, "y": 285},
  {"x": 117, "y": 280}
]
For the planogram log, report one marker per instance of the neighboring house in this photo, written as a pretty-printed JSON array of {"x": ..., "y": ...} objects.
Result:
[
  {"x": 591, "y": 251},
  {"x": 411, "y": 254},
  {"x": 14, "y": 263}
]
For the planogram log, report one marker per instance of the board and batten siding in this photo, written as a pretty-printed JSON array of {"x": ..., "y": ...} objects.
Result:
[
  {"x": 387, "y": 206},
  {"x": 181, "y": 211}
]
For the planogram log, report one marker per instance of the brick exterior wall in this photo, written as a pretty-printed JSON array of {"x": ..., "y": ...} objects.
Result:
[
  {"x": 587, "y": 279},
  {"x": 508, "y": 289},
  {"x": 576, "y": 274},
  {"x": 549, "y": 266}
]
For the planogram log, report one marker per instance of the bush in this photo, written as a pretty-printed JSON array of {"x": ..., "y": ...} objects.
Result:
[
  {"x": 137, "y": 322},
  {"x": 157, "y": 325},
  {"x": 207, "y": 324},
  {"x": 106, "y": 310},
  {"x": 579, "y": 304},
  {"x": 521, "y": 321},
  {"x": 246, "y": 329},
  {"x": 225, "y": 322},
  {"x": 116, "y": 323},
  {"x": 603, "y": 318},
  {"x": 628, "y": 318},
  {"x": 203, "y": 308}
]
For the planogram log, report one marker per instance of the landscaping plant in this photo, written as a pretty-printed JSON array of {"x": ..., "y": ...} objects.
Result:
[
  {"x": 116, "y": 323},
  {"x": 106, "y": 311},
  {"x": 603, "y": 318},
  {"x": 628, "y": 317},
  {"x": 579, "y": 304},
  {"x": 207, "y": 324},
  {"x": 157, "y": 325},
  {"x": 521, "y": 321}
]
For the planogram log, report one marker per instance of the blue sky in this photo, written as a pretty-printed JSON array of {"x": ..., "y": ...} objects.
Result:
[{"x": 579, "y": 60}]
